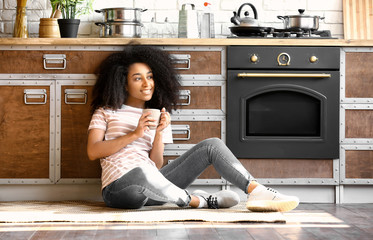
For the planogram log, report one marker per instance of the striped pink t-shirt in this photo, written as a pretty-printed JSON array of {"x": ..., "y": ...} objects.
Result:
[{"x": 118, "y": 123}]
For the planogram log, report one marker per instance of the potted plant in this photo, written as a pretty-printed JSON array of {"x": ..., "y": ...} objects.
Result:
[{"x": 70, "y": 9}]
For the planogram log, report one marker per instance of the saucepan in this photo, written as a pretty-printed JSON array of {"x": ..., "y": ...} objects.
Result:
[
  {"x": 122, "y": 14},
  {"x": 301, "y": 21},
  {"x": 120, "y": 29}
]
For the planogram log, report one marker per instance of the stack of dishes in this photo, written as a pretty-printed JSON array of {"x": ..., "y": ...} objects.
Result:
[{"x": 121, "y": 22}]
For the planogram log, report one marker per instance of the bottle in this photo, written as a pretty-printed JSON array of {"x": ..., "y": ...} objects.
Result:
[
  {"x": 167, "y": 30},
  {"x": 153, "y": 30},
  {"x": 207, "y": 22}
]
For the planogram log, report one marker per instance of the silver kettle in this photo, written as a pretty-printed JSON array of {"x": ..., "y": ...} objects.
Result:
[
  {"x": 188, "y": 22},
  {"x": 246, "y": 21}
]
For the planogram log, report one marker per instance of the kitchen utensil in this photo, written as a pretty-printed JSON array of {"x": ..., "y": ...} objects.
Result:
[
  {"x": 250, "y": 31},
  {"x": 246, "y": 21},
  {"x": 120, "y": 29},
  {"x": 188, "y": 23},
  {"x": 121, "y": 14},
  {"x": 301, "y": 21}
]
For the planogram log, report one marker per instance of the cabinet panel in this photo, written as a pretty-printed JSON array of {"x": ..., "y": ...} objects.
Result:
[
  {"x": 359, "y": 164},
  {"x": 359, "y": 75},
  {"x": 24, "y": 132},
  {"x": 32, "y": 61},
  {"x": 359, "y": 123},
  {"x": 289, "y": 168},
  {"x": 75, "y": 118}
]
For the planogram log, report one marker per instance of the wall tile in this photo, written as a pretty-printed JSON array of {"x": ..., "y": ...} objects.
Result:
[{"x": 333, "y": 5}]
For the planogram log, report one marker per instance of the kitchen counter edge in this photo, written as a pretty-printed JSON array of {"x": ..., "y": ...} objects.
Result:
[{"x": 186, "y": 42}]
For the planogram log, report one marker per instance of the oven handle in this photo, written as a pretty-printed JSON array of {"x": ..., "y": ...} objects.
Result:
[{"x": 282, "y": 75}]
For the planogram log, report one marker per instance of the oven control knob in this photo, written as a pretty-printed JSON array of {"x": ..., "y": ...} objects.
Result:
[
  {"x": 313, "y": 59},
  {"x": 254, "y": 58}
]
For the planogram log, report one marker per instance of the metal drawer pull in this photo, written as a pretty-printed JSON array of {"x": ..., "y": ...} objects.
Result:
[
  {"x": 181, "y": 59},
  {"x": 300, "y": 75},
  {"x": 181, "y": 130},
  {"x": 170, "y": 161},
  {"x": 54, "y": 59},
  {"x": 35, "y": 94},
  {"x": 76, "y": 94},
  {"x": 185, "y": 96}
]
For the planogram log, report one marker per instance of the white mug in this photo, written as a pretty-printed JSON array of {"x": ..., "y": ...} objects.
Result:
[{"x": 156, "y": 114}]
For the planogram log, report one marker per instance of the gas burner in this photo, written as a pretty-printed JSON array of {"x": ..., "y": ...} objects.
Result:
[
  {"x": 283, "y": 33},
  {"x": 300, "y": 33}
]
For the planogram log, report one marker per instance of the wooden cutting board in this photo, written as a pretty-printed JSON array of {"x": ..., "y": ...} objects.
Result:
[{"x": 358, "y": 19}]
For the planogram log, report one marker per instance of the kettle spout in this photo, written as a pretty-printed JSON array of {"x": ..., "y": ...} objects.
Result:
[{"x": 234, "y": 19}]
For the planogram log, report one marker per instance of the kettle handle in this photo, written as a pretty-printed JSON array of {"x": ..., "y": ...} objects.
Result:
[{"x": 252, "y": 7}]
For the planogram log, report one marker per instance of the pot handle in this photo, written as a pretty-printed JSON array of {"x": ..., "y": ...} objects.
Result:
[
  {"x": 100, "y": 24},
  {"x": 281, "y": 17},
  {"x": 98, "y": 11}
]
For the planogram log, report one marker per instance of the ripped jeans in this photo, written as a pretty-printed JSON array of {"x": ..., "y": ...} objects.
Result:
[{"x": 149, "y": 186}]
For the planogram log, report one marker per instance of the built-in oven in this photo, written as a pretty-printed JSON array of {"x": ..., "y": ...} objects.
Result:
[{"x": 283, "y": 102}]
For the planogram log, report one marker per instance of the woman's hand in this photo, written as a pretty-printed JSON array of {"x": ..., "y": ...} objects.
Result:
[
  {"x": 144, "y": 123},
  {"x": 164, "y": 120}
]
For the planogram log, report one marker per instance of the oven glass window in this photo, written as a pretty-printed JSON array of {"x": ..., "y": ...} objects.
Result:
[{"x": 283, "y": 113}]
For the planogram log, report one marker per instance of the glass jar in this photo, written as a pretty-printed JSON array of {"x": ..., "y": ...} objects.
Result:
[{"x": 20, "y": 26}]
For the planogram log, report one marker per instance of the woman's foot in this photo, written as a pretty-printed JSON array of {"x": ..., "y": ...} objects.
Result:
[
  {"x": 221, "y": 199},
  {"x": 264, "y": 199}
]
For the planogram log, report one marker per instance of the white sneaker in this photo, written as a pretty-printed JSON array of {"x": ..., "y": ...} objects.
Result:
[
  {"x": 221, "y": 199},
  {"x": 264, "y": 199}
]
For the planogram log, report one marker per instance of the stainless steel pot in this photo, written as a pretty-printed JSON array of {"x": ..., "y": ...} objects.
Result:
[
  {"x": 120, "y": 29},
  {"x": 122, "y": 14},
  {"x": 301, "y": 21}
]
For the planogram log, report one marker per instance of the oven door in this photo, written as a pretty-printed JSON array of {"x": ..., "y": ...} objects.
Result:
[{"x": 277, "y": 114}]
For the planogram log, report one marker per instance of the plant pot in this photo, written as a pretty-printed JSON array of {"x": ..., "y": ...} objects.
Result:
[
  {"x": 69, "y": 27},
  {"x": 48, "y": 28}
]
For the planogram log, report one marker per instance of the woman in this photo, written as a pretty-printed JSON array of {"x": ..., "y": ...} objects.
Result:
[{"x": 131, "y": 154}]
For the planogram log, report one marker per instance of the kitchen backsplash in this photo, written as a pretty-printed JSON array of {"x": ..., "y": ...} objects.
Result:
[{"x": 268, "y": 10}]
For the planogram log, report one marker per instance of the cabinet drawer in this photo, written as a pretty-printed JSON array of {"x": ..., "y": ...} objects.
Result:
[
  {"x": 209, "y": 173},
  {"x": 289, "y": 168},
  {"x": 192, "y": 132},
  {"x": 200, "y": 97},
  {"x": 64, "y": 62},
  {"x": 25, "y": 130},
  {"x": 197, "y": 62},
  {"x": 359, "y": 75},
  {"x": 359, "y": 123}
]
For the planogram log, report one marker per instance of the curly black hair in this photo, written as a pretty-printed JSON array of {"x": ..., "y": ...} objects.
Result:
[{"x": 110, "y": 88}]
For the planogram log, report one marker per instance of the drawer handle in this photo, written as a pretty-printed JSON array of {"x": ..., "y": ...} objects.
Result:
[
  {"x": 76, "y": 94},
  {"x": 185, "y": 96},
  {"x": 181, "y": 59},
  {"x": 35, "y": 94},
  {"x": 54, "y": 59},
  {"x": 300, "y": 75},
  {"x": 181, "y": 130}
]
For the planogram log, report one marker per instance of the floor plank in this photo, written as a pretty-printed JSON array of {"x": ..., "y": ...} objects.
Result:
[{"x": 308, "y": 221}]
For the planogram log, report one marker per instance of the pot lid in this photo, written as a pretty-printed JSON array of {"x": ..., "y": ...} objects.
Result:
[
  {"x": 122, "y": 8},
  {"x": 301, "y": 14}
]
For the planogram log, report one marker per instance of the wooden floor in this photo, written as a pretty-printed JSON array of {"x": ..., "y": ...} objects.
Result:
[{"x": 308, "y": 221}]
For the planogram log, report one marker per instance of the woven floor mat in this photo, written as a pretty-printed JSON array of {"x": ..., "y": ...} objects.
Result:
[{"x": 84, "y": 211}]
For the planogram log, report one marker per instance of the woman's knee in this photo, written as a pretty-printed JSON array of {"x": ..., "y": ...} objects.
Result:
[{"x": 215, "y": 142}]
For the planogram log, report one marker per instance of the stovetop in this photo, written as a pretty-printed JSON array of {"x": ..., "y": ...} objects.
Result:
[{"x": 285, "y": 33}]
